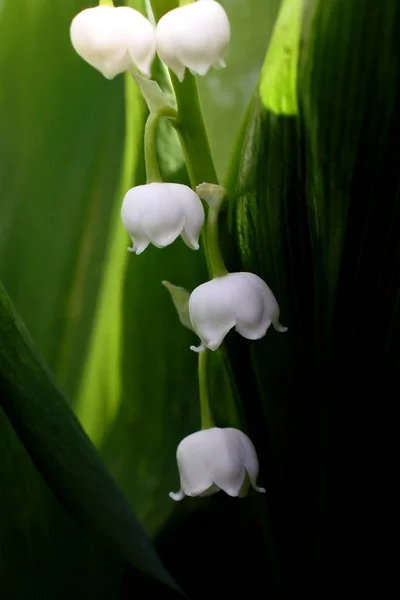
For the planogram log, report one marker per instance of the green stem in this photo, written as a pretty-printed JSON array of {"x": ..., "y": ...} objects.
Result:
[
  {"x": 150, "y": 147},
  {"x": 192, "y": 132},
  {"x": 193, "y": 138},
  {"x": 207, "y": 420},
  {"x": 218, "y": 268},
  {"x": 106, "y": 3}
]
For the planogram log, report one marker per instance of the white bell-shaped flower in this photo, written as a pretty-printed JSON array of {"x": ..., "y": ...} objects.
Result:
[
  {"x": 112, "y": 39},
  {"x": 195, "y": 36},
  {"x": 157, "y": 213},
  {"x": 216, "y": 459},
  {"x": 239, "y": 300}
]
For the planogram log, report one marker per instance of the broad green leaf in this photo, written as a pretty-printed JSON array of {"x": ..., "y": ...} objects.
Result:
[
  {"x": 62, "y": 453},
  {"x": 315, "y": 204},
  {"x": 40, "y": 543}
]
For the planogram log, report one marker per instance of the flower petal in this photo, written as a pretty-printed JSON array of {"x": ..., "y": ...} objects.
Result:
[
  {"x": 139, "y": 36},
  {"x": 248, "y": 455},
  {"x": 194, "y": 455},
  {"x": 216, "y": 459},
  {"x": 150, "y": 212},
  {"x": 198, "y": 349},
  {"x": 193, "y": 210},
  {"x": 177, "y": 496},
  {"x": 211, "y": 312},
  {"x": 270, "y": 303},
  {"x": 139, "y": 244},
  {"x": 253, "y": 330},
  {"x": 111, "y": 39},
  {"x": 195, "y": 36},
  {"x": 240, "y": 300},
  {"x": 213, "y": 489},
  {"x": 94, "y": 38},
  {"x": 228, "y": 471}
]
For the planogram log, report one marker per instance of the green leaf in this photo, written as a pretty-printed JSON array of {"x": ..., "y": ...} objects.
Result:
[
  {"x": 278, "y": 83},
  {"x": 315, "y": 206},
  {"x": 62, "y": 453},
  {"x": 40, "y": 543}
]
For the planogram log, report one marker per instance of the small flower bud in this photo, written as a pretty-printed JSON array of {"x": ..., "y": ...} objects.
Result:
[
  {"x": 113, "y": 39},
  {"x": 212, "y": 193},
  {"x": 195, "y": 36},
  {"x": 239, "y": 300},
  {"x": 157, "y": 213},
  {"x": 216, "y": 459}
]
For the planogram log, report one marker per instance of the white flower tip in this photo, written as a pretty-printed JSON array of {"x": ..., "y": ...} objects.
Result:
[
  {"x": 145, "y": 71},
  {"x": 177, "y": 496},
  {"x": 214, "y": 344},
  {"x": 198, "y": 349},
  {"x": 259, "y": 489},
  {"x": 180, "y": 73},
  {"x": 137, "y": 248},
  {"x": 201, "y": 70},
  {"x": 195, "y": 246},
  {"x": 278, "y": 327}
]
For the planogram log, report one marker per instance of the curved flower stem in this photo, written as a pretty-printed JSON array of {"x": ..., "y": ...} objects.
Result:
[
  {"x": 192, "y": 135},
  {"x": 207, "y": 420},
  {"x": 150, "y": 149}
]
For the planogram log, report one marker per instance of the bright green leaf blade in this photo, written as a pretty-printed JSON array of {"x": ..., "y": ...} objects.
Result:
[
  {"x": 225, "y": 93},
  {"x": 61, "y": 451},
  {"x": 278, "y": 83}
]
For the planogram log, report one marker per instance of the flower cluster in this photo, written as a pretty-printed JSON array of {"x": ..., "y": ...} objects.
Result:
[
  {"x": 194, "y": 36},
  {"x": 113, "y": 39}
]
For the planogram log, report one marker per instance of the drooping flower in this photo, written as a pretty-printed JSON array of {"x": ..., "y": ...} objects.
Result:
[
  {"x": 216, "y": 459},
  {"x": 239, "y": 300},
  {"x": 112, "y": 39},
  {"x": 194, "y": 36},
  {"x": 157, "y": 213}
]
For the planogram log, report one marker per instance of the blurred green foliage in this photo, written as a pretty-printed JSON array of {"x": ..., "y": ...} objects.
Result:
[{"x": 100, "y": 316}]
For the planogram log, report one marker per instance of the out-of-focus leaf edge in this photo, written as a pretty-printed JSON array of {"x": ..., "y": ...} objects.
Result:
[{"x": 61, "y": 451}]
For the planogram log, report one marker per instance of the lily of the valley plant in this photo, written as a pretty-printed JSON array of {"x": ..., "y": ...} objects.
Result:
[{"x": 194, "y": 36}]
